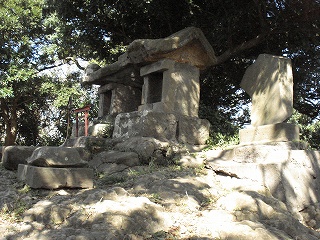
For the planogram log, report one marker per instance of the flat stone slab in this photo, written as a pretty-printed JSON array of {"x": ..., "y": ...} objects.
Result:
[
  {"x": 292, "y": 176},
  {"x": 56, "y": 157},
  {"x": 15, "y": 155},
  {"x": 257, "y": 153},
  {"x": 54, "y": 178},
  {"x": 280, "y": 132}
]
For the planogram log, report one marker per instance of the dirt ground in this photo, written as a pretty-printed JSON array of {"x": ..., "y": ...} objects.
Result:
[{"x": 151, "y": 202}]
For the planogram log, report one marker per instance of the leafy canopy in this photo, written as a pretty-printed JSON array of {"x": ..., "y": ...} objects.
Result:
[{"x": 40, "y": 34}]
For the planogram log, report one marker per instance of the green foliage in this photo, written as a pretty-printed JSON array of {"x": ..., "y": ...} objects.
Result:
[
  {"x": 224, "y": 127},
  {"x": 37, "y": 34},
  {"x": 309, "y": 129},
  {"x": 237, "y": 30},
  {"x": 31, "y": 101},
  {"x": 219, "y": 140},
  {"x": 13, "y": 211}
]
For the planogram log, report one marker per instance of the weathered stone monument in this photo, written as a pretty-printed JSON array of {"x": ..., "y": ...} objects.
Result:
[
  {"x": 269, "y": 82},
  {"x": 153, "y": 89},
  {"x": 269, "y": 151}
]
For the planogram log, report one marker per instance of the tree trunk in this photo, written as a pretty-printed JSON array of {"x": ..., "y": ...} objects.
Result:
[{"x": 9, "y": 115}]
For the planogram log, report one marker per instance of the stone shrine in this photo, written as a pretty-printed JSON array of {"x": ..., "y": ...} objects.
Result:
[
  {"x": 153, "y": 89},
  {"x": 151, "y": 93}
]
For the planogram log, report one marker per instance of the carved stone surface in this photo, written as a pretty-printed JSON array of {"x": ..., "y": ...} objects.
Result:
[
  {"x": 118, "y": 98},
  {"x": 163, "y": 126},
  {"x": 193, "y": 130},
  {"x": 269, "y": 82},
  {"x": 54, "y": 178}
]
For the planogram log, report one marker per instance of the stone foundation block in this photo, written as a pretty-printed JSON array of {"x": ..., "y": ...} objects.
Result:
[
  {"x": 54, "y": 178},
  {"x": 256, "y": 153},
  {"x": 279, "y": 132},
  {"x": 145, "y": 124},
  {"x": 193, "y": 130}
]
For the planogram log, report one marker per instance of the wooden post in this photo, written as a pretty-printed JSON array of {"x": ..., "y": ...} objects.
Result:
[{"x": 77, "y": 125}]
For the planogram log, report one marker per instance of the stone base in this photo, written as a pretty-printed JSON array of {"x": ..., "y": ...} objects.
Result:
[
  {"x": 292, "y": 176},
  {"x": 269, "y": 133},
  {"x": 145, "y": 124},
  {"x": 257, "y": 153},
  {"x": 163, "y": 126},
  {"x": 193, "y": 130},
  {"x": 54, "y": 178}
]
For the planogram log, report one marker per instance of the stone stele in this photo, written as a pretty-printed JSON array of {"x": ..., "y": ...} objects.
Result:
[{"x": 269, "y": 82}]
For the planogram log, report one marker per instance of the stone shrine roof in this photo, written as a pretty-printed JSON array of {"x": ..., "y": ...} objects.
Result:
[{"x": 186, "y": 46}]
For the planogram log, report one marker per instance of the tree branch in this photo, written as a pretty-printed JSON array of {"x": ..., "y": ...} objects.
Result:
[
  {"x": 64, "y": 61},
  {"x": 50, "y": 67},
  {"x": 243, "y": 46}
]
